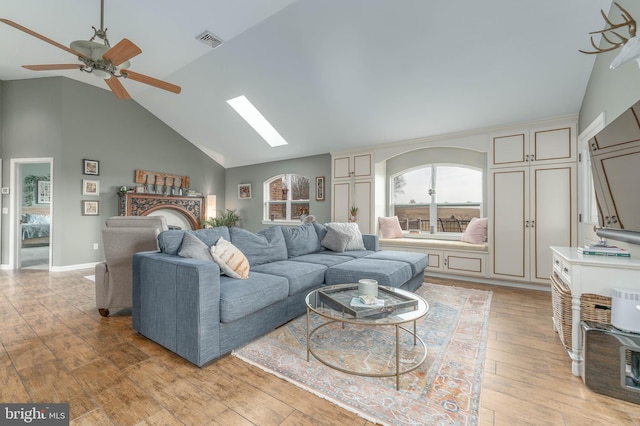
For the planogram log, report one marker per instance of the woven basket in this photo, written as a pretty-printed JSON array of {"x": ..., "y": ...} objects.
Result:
[{"x": 593, "y": 307}]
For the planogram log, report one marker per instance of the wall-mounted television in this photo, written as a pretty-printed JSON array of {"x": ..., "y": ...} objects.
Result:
[{"x": 615, "y": 163}]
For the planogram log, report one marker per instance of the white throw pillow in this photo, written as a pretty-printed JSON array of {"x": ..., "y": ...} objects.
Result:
[
  {"x": 390, "y": 227},
  {"x": 231, "y": 260},
  {"x": 351, "y": 229},
  {"x": 476, "y": 232}
]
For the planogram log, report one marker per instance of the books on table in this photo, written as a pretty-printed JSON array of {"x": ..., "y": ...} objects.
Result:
[{"x": 603, "y": 250}]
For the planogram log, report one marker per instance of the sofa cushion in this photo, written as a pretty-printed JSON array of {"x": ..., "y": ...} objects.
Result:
[
  {"x": 301, "y": 239},
  {"x": 263, "y": 247},
  {"x": 169, "y": 241},
  {"x": 302, "y": 276},
  {"x": 418, "y": 261},
  {"x": 239, "y": 298},
  {"x": 194, "y": 248},
  {"x": 390, "y": 273},
  {"x": 321, "y": 230},
  {"x": 326, "y": 258},
  {"x": 231, "y": 260}
]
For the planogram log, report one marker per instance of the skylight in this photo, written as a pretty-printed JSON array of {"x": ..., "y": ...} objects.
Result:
[{"x": 256, "y": 120}]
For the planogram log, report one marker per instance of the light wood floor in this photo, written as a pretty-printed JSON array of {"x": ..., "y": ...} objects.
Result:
[{"x": 56, "y": 347}]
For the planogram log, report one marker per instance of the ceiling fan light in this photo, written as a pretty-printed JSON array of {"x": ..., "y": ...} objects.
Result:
[
  {"x": 101, "y": 74},
  {"x": 89, "y": 48}
]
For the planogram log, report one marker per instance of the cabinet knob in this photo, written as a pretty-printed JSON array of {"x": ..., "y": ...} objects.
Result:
[
  {"x": 533, "y": 157},
  {"x": 526, "y": 158},
  {"x": 533, "y": 223},
  {"x": 614, "y": 219},
  {"x": 566, "y": 270},
  {"x": 557, "y": 262},
  {"x": 526, "y": 223}
]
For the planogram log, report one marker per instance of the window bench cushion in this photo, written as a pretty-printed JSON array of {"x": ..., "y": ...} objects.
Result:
[{"x": 433, "y": 244}]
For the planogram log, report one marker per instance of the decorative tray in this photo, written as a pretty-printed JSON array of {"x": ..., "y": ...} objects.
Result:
[{"x": 340, "y": 300}]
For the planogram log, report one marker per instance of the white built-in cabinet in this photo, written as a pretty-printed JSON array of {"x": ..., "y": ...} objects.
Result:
[
  {"x": 353, "y": 185},
  {"x": 533, "y": 197}
]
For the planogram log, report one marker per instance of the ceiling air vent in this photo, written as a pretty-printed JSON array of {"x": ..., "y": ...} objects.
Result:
[{"x": 209, "y": 39}]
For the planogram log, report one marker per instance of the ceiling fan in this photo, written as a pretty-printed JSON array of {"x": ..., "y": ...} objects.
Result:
[{"x": 104, "y": 61}]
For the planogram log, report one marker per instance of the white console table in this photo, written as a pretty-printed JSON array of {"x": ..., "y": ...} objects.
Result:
[{"x": 591, "y": 274}]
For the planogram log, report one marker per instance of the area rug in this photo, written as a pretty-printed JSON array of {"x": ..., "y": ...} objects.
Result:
[{"x": 445, "y": 389}]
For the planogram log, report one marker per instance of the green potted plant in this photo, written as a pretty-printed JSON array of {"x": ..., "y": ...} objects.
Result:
[
  {"x": 354, "y": 213},
  {"x": 229, "y": 218}
]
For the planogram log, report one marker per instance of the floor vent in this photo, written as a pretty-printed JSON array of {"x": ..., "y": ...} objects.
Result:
[{"x": 209, "y": 39}]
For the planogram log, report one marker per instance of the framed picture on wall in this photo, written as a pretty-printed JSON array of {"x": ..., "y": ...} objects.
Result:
[
  {"x": 44, "y": 192},
  {"x": 90, "y": 167},
  {"x": 90, "y": 187},
  {"x": 90, "y": 208},
  {"x": 320, "y": 188},
  {"x": 244, "y": 191}
]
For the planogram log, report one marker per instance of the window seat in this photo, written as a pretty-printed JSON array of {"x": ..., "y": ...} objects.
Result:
[{"x": 433, "y": 244}]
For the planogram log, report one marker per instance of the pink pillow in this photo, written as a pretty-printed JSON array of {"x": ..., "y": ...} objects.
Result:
[
  {"x": 390, "y": 227},
  {"x": 476, "y": 232}
]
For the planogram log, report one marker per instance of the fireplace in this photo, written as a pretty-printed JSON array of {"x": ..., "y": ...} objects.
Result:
[{"x": 192, "y": 208}]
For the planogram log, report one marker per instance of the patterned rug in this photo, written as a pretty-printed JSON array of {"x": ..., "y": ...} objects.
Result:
[{"x": 445, "y": 389}]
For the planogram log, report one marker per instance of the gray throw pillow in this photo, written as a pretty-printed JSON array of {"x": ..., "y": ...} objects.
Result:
[
  {"x": 336, "y": 240},
  {"x": 355, "y": 236},
  {"x": 194, "y": 248}
]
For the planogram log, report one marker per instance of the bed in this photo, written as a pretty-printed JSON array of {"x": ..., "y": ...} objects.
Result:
[{"x": 35, "y": 225}]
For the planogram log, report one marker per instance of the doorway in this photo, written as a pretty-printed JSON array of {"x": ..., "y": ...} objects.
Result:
[{"x": 31, "y": 213}]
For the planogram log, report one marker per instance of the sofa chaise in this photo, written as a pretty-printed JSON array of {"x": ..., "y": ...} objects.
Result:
[{"x": 190, "y": 307}]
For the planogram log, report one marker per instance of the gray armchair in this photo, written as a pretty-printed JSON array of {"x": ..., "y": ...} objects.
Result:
[{"x": 122, "y": 237}]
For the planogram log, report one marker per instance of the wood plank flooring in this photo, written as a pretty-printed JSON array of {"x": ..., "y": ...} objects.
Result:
[{"x": 55, "y": 347}]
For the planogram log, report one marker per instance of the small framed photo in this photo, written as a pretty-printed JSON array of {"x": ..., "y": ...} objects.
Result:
[
  {"x": 90, "y": 187},
  {"x": 140, "y": 189},
  {"x": 320, "y": 188},
  {"x": 44, "y": 192},
  {"x": 244, "y": 191},
  {"x": 90, "y": 167},
  {"x": 90, "y": 208}
]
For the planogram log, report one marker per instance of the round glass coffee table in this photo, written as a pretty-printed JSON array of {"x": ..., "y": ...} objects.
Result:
[{"x": 336, "y": 304}]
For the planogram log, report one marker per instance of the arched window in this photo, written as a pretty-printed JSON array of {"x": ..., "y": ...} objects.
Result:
[
  {"x": 437, "y": 198},
  {"x": 286, "y": 197}
]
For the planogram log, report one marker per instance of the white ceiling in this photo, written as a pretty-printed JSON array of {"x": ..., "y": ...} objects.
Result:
[{"x": 328, "y": 74}]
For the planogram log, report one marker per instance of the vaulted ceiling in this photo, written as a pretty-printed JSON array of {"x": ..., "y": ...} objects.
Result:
[{"x": 328, "y": 74}]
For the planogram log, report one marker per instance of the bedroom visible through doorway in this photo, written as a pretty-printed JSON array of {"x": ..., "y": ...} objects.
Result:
[{"x": 33, "y": 201}]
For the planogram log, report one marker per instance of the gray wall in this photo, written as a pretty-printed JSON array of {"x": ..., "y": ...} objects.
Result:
[
  {"x": 611, "y": 91},
  {"x": 250, "y": 211},
  {"x": 70, "y": 121}
]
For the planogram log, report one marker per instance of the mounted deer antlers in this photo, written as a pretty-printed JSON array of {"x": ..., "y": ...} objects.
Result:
[{"x": 628, "y": 22}]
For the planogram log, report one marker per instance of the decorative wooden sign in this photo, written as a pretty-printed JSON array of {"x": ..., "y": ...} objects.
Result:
[{"x": 156, "y": 178}]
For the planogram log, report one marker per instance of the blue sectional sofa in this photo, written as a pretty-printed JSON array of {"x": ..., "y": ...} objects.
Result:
[{"x": 190, "y": 308}]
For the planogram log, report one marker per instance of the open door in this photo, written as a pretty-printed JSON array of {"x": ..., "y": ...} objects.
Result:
[{"x": 31, "y": 213}]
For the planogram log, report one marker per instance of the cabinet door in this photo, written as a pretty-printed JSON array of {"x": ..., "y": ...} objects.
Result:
[
  {"x": 464, "y": 263},
  {"x": 362, "y": 198},
  {"x": 341, "y": 200},
  {"x": 553, "y": 215},
  {"x": 363, "y": 166},
  {"x": 552, "y": 145},
  {"x": 509, "y": 150},
  {"x": 509, "y": 223},
  {"x": 616, "y": 182},
  {"x": 341, "y": 167}
]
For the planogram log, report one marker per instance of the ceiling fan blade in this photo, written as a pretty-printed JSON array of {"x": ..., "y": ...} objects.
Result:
[
  {"x": 117, "y": 88},
  {"x": 122, "y": 52},
  {"x": 51, "y": 67},
  {"x": 151, "y": 81},
  {"x": 41, "y": 37}
]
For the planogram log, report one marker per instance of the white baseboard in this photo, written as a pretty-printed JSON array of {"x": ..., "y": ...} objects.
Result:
[
  {"x": 74, "y": 267},
  {"x": 528, "y": 286}
]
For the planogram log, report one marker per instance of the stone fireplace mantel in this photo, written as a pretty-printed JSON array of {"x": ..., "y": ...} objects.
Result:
[{"x": 192, "y": 208}]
